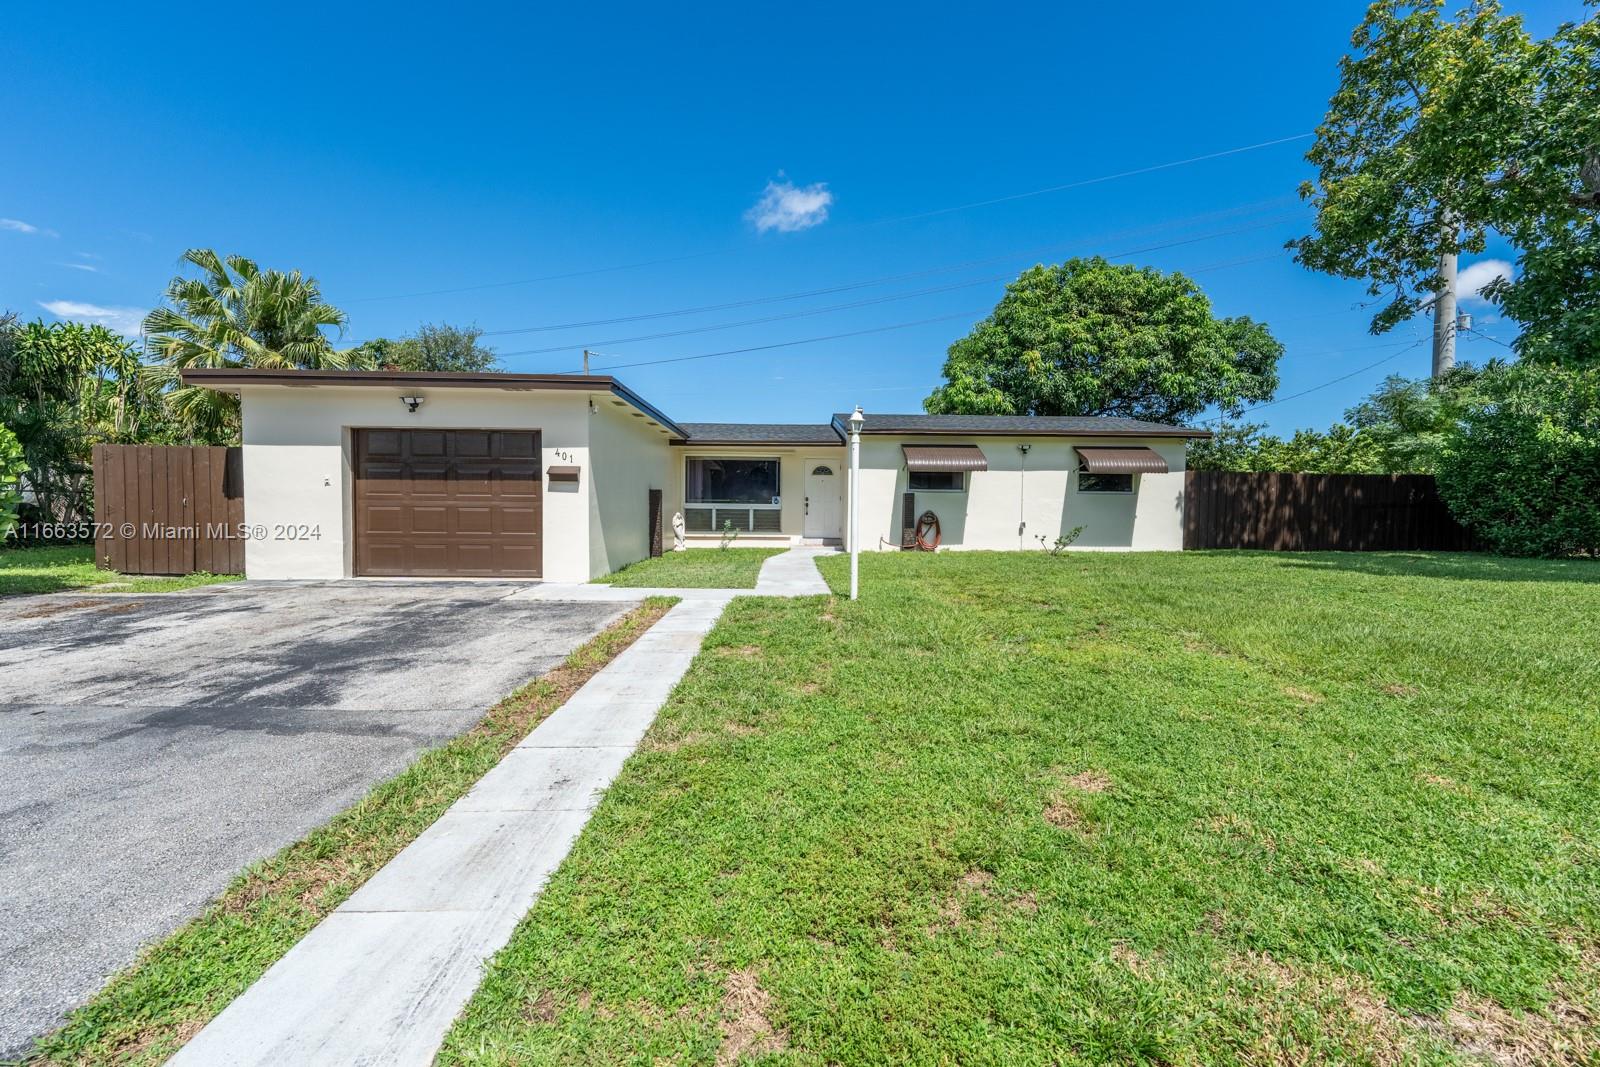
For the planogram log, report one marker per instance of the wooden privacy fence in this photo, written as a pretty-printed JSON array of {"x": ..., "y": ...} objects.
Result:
[
  {"x": 1318, "y": 512},
  {"x": 169, "y": 509}
]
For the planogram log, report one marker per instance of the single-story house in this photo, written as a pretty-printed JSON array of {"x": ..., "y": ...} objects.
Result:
[{"x": 565, "y": 477}]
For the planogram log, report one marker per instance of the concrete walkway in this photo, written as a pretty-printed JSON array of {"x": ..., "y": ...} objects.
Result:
[
  {"x": 382, "y": 978},
  {"x": 794, "y": 573}
]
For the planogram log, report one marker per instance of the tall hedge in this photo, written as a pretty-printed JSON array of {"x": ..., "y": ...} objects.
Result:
[{"x": 1522, "y": 465}]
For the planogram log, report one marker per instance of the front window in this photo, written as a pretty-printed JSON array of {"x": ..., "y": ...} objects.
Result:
[
  {"x": 1104, "y": 483},
  {"x": 731, "y": 481},
  {"x": 937, "y": 481}
]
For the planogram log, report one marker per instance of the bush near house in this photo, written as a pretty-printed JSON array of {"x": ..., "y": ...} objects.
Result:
[
  {"x": 12, "y": 468},
  {"x": 1522, "y": 465}
]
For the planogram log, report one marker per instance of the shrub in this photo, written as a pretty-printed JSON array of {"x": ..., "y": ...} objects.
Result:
[
  {"x": 11, "y": 471},
  {"x": 1521, "y": 467}
]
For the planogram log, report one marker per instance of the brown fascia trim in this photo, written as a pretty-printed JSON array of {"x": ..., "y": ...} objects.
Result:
[
  {"x": 709, "y": 442},
  {"x": 1177, "y": 432},
  {"x": 220, "y": 378}
]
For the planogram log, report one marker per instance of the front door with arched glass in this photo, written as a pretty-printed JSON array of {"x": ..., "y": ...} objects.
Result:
[{"x": 823, "y": 481}]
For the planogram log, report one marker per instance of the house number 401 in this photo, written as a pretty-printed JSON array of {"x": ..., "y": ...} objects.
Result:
[{"x": 563, "y": 455}]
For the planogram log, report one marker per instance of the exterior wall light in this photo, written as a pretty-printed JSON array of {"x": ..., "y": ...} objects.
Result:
[{"x": 412, "y": 403}]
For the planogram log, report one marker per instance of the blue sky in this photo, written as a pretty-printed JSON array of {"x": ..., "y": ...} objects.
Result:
[{"x": 490, "y": 165}]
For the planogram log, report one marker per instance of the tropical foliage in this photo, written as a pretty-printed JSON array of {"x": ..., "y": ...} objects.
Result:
[
  {"x": 1399, "y": 429},
  {"x": 235, "y": 314},
  {"x": 1522, "y": 465},
  {"x": 12, "y": 468},
  {"x": 1445, "y": 129},
  {"x": 65, "y": 387},
  {"x": 1087, "y": 337},
  {"x": 433, "y": 348}
]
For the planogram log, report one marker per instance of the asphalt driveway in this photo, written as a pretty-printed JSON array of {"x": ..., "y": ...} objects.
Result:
[{"x": 151, "y": 746}]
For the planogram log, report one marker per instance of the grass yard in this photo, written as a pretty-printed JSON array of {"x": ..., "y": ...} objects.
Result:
[
  {"x": 1171, "y": 808},
  {"x": 178, "y": 984},
  {"x": 57, "y": 568},
  {"x": 695, "y": 568}
]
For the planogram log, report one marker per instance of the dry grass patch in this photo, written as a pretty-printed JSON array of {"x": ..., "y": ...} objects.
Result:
[
  {"x": 1351, "y": 1016},
  {"x": 1566, "y": 1035},
  {"x": 1305, "y": 696},
  {"x": 61, "y": 607},
  {"x": 746, "y": 1025}
]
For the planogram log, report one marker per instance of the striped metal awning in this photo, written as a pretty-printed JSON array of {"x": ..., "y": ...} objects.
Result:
[
  {"x": 944, "y": 458},
  {"x": 1120, "y": 459}
]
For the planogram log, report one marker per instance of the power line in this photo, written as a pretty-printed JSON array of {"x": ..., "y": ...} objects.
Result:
[
  {"x": 1097, "y": 181},
  {"x": 1410, "y": 346},
  {"x": 877, "y": 222},
  {"x": 911, "y": 294},
  {"x": 851, "y": 333},
  {"x": 791, "y": 344},
  {"x": 1243, "y": 209}
]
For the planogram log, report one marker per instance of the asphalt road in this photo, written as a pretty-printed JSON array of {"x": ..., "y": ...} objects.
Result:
[{"x": 152, "y": 746}]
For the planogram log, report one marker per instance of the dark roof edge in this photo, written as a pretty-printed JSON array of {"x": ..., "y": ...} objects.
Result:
[
  {"x": 222, "y": 378},
  {"x": 1166, "y": 431}
]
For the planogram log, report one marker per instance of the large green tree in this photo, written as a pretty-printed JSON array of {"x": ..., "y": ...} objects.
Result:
[
  {"x": 1088, "y": 337},
  {"x": 65, "y": 387},
  {"x": 1445, "y": 129},
  {"x": 433, "y": 348},
  {"x": 234, "y": 314}
]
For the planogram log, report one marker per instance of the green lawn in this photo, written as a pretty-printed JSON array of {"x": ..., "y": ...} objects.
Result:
[
  {"x": 696, "y": 568},
  {"x": 144, "y": 1014},
  {"x": 56, "y": 568},
  {"x": 1179, "y": 808}
]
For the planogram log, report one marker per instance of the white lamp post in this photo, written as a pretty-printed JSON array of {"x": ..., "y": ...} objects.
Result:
[{"x": 856, "y": 419}]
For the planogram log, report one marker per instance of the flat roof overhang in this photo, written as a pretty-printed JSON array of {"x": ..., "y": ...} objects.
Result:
[{"x": 227, "y": 379}]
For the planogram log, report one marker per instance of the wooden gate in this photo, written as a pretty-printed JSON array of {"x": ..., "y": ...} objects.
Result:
[
  {"x": 169, "y": 509},
  {"x": 1318, "y": 512},
  {"x": 655, "y": 523}
]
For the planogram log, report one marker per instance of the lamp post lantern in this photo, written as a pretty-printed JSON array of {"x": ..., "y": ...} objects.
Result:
[{"x": 856, "y": 419}]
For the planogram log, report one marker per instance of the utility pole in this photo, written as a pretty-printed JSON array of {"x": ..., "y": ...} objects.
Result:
[
  {"x": 586, "y": 352},
  {"x": 1444, "y": 303}
]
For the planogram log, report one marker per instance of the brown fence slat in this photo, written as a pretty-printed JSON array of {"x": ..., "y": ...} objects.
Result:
[
  {"x": 1310, "y": 512},
  {"x": 143, "y": 493}
]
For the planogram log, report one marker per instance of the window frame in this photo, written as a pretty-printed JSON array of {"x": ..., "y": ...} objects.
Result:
[
  {"x": 777, "y": 483},
  {"x": 1133, "y": 484},
  {"x": 959, "y": 487}
]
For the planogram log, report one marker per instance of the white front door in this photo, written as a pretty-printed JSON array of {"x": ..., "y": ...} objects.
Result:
[{"x": 823, "y": 478}]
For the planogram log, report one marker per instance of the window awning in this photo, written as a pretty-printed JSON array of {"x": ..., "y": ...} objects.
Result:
[
  {"x": 1126, "y": 459},
  {"x": 944, "y": 458}
]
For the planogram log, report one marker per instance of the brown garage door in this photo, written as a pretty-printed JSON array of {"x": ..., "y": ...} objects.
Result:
[{"x": 463, "y": 503}]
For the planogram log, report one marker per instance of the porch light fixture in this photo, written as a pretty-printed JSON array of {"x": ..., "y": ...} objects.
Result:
[{"x": 412, "y": 403}]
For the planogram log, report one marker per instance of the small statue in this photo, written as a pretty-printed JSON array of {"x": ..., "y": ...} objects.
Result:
[{"x": 677, "y": 531}]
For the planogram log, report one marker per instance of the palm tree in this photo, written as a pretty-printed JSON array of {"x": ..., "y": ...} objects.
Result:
[{"x": 234, "y": 314}]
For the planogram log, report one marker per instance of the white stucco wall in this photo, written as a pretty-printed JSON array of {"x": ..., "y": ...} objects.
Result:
[
  {"x": 628, "y": 458},
  {"x": 1009, "y": 508},
  {"x": 297, "y": 466}
]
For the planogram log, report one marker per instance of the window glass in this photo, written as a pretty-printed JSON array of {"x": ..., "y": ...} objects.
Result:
[
  {"x": 730, "y": 481},
  {"x": 1104, "y": 483},
  {"x": 937, "y": 481},
  {"x": 821, "y": 470}
]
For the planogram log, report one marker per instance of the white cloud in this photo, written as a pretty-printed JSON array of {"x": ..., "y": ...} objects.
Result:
[
  {"x": 787, "y": 207},
  {"x": 91, "y": 268},
  {"x": 18, "y": 225},
  {"x": 124, "y": 320},
  {"x": 1470, "y": 282}
]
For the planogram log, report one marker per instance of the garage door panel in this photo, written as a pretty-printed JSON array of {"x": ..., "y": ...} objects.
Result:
[
  {"x": 470, "y": 443},
  {"x": 428, "y": 519},
  {"x": 427, "y": 442},
  {"x": 384, "y": 519},
  {"x": 517, "y": 445},
  {"x": 474, "y": 520},
  {"x": 448, "y": 502},
  {"x": 518, "y": 520}
]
